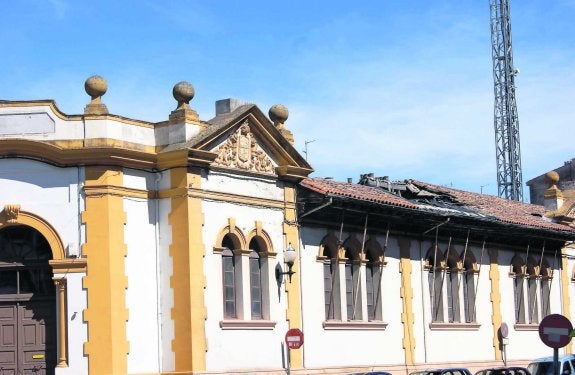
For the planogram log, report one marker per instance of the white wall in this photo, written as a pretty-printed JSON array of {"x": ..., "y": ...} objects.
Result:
[
  {"x": 166, "y": 271},
  {"x": 249, "y": 186},
  {"x": 440, "y": 345},
  {"x": 46, "y": 191},
  {"x": 52, "y": 193},
  {"x": 361, "y": 346},
  {"x": 142, "y": 269},
  {"x": 244, "y": 348}
]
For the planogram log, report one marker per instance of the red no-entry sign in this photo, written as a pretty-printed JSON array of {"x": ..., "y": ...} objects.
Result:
[
  {"x": 555, "y": 330},
  {"x": 294, "y": 338}
]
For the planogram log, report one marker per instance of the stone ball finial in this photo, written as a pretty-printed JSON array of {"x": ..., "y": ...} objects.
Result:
[
  {"x": 95, "y": 86},
  {"x": 552, "y": 178},
  {"x": 183, "y": 92},
  {"x": 278, "y": 114}
]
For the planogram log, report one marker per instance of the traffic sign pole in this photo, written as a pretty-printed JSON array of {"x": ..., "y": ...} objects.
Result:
[
  {"x": 556, "y": 361},
  {"x": 555, "y": 330},
  {"x": 289, "y": 360},
  {"x": 293, "y": 340}
]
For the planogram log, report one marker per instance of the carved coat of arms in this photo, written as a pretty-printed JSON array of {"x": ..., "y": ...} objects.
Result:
[{"x": 242, "y": 151}]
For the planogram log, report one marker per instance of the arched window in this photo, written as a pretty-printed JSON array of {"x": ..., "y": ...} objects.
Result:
[
  {"x": 518, "y": 271},
  {"x": 546, "y": 277},
  {"x": 24, "y": 268},
  {"x": 353, "y": 279},
  {"x": 435, "y": 263},
  {"x": 232, "y": 275},
  {"x": 532, "y": 299},
  {"x": 468, "y": 278},
  {"x": 373, "y": 276},
  {"x": 331, "y": 289},
  {"x": 259, "y": 289},
  {"x": 452, "y": 285}
]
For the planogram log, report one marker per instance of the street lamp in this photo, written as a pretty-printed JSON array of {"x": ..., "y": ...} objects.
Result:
[{"x": 289, "y": 259}]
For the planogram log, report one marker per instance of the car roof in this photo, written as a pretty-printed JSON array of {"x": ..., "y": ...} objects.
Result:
[
  {"x": 547, "y": 359},
  {"x": 439, "y": 370},
  {"x": 503, "y": 368}
]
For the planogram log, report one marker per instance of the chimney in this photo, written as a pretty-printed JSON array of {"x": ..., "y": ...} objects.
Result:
[{"x": 224, "y": 106}]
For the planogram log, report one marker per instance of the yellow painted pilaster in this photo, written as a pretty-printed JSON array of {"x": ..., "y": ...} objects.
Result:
[
  {"x": 495, "y": 295},
  {"x": 565, "y": 293},
  {"x": 188, "y": 280},
  {"x": 291, "y": 232},
  {"x": 105, "y": 281},
  {"x": 406, "y": 293}
]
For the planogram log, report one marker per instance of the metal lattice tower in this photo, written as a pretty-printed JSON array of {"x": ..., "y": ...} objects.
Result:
[{"x": 509, "y": 180}]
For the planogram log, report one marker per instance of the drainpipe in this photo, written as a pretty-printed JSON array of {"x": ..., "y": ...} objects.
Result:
[{"x": 158, "y": 273}]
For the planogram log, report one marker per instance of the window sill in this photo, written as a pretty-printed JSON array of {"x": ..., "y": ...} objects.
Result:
[
  {"x": 526, "y": 326},
  {"x": 354, "y": 325},
  {"x": 440, "y": 326},
  {"x": 247, "y": 324}
]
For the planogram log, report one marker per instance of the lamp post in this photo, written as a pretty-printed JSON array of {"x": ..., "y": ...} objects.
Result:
[{"x": 289, "y": 259}]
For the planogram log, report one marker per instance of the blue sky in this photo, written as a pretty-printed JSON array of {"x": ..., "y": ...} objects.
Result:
[{"x": 400, "y": 88}]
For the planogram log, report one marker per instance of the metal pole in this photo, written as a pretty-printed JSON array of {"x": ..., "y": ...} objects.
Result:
[
  {"x": 556, "y": 361},
  {"x": 288, "y": 360}
]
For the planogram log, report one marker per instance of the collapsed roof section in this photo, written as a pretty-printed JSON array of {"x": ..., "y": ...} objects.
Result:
[{"x": 417, "y": 208}]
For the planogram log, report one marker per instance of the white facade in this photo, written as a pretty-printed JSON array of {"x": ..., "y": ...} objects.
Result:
[{"x": 159, "y": 254}]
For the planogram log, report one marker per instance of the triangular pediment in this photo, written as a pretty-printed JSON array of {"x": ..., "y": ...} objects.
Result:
[
  {"x": 241, "y": 149},
  {"x": 246, "y": 140}
]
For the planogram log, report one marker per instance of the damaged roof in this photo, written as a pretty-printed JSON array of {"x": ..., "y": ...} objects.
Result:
[{"x": 418, "y": 205}]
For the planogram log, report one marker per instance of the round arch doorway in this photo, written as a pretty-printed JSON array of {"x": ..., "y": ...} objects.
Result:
[{"x": 27, "y": 303}]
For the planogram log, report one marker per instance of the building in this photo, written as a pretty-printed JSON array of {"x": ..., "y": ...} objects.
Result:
[
  {"x": 538, "y": 185},
  {"x": 130, "y": 247},
  {"x": 417, "y": 275}
]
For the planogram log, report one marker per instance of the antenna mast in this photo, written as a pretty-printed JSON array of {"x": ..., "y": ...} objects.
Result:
[{"x": 509, "y": 180}]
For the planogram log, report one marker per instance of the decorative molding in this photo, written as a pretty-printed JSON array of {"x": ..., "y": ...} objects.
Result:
[
  {"x": 11, "y": 212},
  {"x": 440, "y": 326},
  {"x": 243, "y": 152},
  {"x": 247, "y": 324},
  {"x": 61, "y": 286},
  {"x": 65, "y": 266},
  {"x": 119, "y": 191},
  {"x": 526, "y": 326},
  {"x": 236, "y": 198},
  {"x": 41, "y": 225},
  {"x": 354, "y": 325}
]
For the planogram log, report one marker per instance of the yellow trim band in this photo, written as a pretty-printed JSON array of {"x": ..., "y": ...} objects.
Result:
[
  {"x": 406, "y": 293},
  {"x": 496, "y": 318},
  {"x": 107, "y": 346},
  {"x": 187, "y": 282}
]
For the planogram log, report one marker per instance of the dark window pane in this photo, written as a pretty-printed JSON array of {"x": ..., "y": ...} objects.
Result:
[
  {"x": 369, "y": 286},
  {"x": 227, "y": 242},
  {"x": 532, "y": 300},
  {"x": 349, "y": 290},
  {"x": 469, "y": 296},
  {"x": 37, "y": 281},
  {"x": 519, "y": 300},
  {"x": 328, "y": 292},
  {"x": 545, "y": 290},
  {"x": 23, "y": 244},
  {"x": 8, "y": 284},
  {"x": 229, "y": 287},
  {"x": 255, "y": 288}
]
